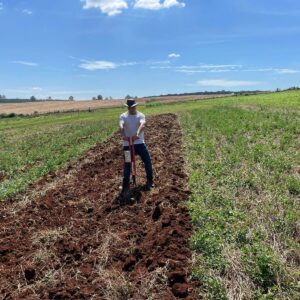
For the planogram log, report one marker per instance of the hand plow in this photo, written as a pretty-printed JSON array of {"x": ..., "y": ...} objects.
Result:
[{"x": 132, "y": 160}]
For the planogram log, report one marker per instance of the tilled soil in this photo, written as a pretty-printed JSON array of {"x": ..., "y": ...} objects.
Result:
[{"x": 68, "y": 237}]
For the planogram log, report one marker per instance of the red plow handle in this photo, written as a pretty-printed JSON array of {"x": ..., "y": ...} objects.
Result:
[{"x": 132, "y": 155}]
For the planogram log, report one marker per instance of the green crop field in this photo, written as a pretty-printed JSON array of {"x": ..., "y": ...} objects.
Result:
[
  {"x": 244, "y": 164},
  {"x": 245, "y": 178}
]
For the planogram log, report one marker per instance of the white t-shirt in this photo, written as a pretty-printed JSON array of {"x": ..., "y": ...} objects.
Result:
[{"x": 131, "y": 124}]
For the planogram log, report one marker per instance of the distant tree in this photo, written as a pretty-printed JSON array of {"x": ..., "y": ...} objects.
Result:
[
  {"x": 106, "y": 98},
  {"x": 32, "y": 98},
  {"x": 278, "y": 90},
  {"x": 99, "y": 97},
  {"x": 110, "y": 98},
  {"x": 128, "y": 97},
  {"x": 71, "y": 98},
  {"x": 49, "y": 98},
  {"x": 2, "y": 97},
  {"x": 94, "y": 98},
  {"x": 293, "y": 88},
  {"x": 136, "y": 97}
]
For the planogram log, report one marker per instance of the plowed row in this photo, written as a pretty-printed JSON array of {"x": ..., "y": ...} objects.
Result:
[{"x": 68, "y": 238}]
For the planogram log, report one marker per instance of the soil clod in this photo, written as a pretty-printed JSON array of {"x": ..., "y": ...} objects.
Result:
[
  {"x": 29, "y": 274},
  {"x": 156, "y": 213}
]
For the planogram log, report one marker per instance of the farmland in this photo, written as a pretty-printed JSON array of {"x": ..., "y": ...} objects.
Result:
[
  {"x": 245, "y": 180},
  {"x": 227, "y": 200},
  {"x": 43, "y": 107}
]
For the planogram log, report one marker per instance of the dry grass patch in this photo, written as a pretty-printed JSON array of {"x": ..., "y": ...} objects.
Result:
[
  {"x": 49, "y": 280},
  {"x": 236, "y": 281},
  {"x": 113, "y": 285},
  {"x": 47, "y": 238}
]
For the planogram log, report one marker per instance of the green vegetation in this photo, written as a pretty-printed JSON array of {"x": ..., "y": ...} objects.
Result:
[
  {"x": 244, "y": 164},
  {"x": 31, "y": 147},
  {"x": 245, "y": 179}
]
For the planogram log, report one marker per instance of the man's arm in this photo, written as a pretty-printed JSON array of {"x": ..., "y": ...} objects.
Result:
[
  {"x": 141, "y": 128},
  {"x": 121, "y": 129}
]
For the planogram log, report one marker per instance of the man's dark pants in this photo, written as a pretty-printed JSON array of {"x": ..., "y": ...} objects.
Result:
[{"x": 142, "y": 151}]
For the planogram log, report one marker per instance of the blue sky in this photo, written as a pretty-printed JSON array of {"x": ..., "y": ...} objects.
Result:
[{"x": 146, "y": 47}]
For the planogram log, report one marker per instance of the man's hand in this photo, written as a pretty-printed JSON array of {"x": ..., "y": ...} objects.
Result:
[
  {"x": 127, "y": 139},
  {"x": 134, "y": 138}
]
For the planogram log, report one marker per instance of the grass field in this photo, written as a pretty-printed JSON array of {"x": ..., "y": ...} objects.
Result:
[
  {"x": 245, "y": 179},
  {"x": 43, "y": 107},
  {"x": 244, "y": 165}
]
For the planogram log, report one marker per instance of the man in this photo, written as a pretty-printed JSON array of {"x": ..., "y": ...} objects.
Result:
[{"x": 132, "y": 124}]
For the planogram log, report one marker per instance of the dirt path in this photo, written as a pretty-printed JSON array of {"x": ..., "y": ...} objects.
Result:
[{"x": 67, "y": 238}]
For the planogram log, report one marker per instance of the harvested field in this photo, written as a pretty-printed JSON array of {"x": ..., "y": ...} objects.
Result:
[
  {"x": 42, "y": 107},
  {"x": 68, "y": 238}
]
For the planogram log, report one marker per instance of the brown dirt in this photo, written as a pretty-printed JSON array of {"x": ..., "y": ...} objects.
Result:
[{"x": 70, "y": 239}]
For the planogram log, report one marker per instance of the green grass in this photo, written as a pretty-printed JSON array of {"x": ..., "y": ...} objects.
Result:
[
  {"x": 31, "y": 147},
  {"x": 244, "y": 175},
  {"x": 244, "y": 164}
]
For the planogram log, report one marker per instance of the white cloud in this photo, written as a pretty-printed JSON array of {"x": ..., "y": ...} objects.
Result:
[
  {"x": 174, "y": 55},
  {"x": 127, "y": 64},
  {"x": 36, "y": 88},
  {"x": 1, "y": 5},
  {"x": 189, "y": 71},
  {"x": 259, "y": 70},
  {"x": 157, "y": 4},
  {"x": 226, "y": 83},
  {"x": 115, "y": 7},
  {"x": 157, "y": 62},
  {"x": 25, "y": 63},
  {"x": 103, "y": 65},
  {"x": 208, "y": 68},
  {"x": 220, "y": 66},
  {"x": 170, "y": 3},
  {"x": 27, "y": 12},
  {"x": 275, "y": 70},
  {"x": 98, "y": 65},
  {"x": 109, "y": 7},
  {"x": 287, "y": 71}
]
